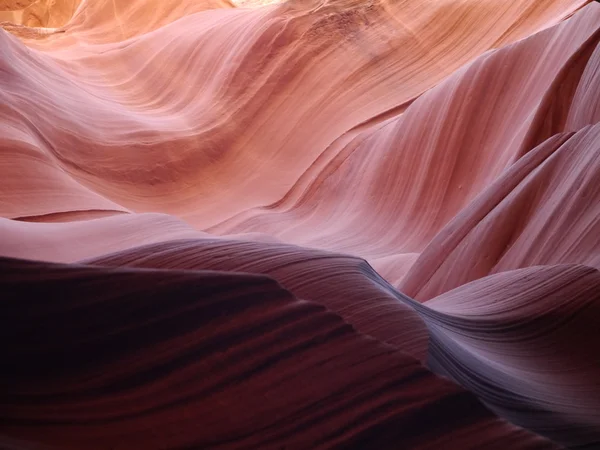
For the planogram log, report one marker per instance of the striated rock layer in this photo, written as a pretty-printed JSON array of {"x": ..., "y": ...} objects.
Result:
[{"x": 302, "y": 224}]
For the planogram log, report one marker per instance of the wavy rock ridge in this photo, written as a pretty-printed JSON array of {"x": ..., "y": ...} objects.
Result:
[{"x": 308, "y": 224}]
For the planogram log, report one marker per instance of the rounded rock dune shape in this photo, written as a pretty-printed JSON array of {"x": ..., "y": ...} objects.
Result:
[{"x": 299, "y": 224}]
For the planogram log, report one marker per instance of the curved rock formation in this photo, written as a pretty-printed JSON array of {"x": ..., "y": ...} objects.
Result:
[{"x": 300, "y": 224}]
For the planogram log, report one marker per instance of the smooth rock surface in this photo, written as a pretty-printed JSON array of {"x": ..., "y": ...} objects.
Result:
[{"x": 302, "y": 224}]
